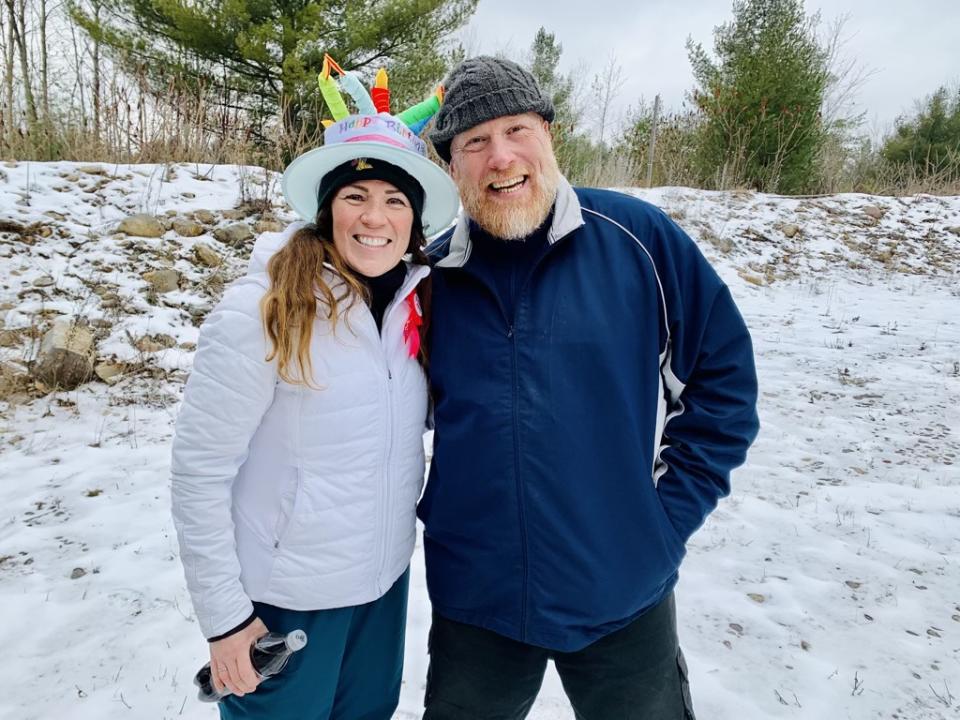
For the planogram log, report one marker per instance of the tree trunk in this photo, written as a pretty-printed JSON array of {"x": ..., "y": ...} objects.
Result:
[
  {"x": 10, "y": 120},
  {"x": 96, "y": 73},
  {"x": 18, "y": 40},
  {"x": 78, "y": 69},
  {"x": 44, "y": 76}
]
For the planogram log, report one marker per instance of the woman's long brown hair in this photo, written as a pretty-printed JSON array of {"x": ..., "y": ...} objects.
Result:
[{"x": 296, "y": 284}]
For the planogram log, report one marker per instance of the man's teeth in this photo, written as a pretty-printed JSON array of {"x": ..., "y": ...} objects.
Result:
[
  {"x": 507, "y": 186},
  {"x": 371, "y": 241}
]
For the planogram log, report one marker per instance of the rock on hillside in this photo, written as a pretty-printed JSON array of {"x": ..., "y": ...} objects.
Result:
[{"x": 130, "y": 257}]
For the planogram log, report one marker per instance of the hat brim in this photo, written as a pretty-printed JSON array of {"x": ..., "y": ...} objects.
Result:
[{"x": 302, "y": 178}]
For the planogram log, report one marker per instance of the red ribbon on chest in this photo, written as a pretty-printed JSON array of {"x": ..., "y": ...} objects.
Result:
[{"x": 411, "y": 328}]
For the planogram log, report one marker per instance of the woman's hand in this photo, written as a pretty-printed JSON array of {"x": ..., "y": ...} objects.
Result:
[{"x": 230, "y": 664}]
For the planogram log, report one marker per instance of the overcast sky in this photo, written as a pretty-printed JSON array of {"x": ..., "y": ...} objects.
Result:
[{"x": 910, "y": 47}]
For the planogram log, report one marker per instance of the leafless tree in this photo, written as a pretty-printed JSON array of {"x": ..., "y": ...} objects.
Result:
[{"x": 606, "y": 87}]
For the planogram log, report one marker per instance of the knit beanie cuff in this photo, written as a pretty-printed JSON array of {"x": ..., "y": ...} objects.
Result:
[{"x": 481, "y": 89}]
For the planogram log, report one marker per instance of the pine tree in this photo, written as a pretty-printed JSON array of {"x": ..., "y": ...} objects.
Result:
[
  {"x": 544, "y": 65},
  {"x": 264, "y": 55},
  {"x": 930, "y": 140},
  {"x": 762, "y": 97}
]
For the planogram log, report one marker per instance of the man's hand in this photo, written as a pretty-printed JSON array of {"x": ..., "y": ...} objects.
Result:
[{"x": 230, "y": 664}]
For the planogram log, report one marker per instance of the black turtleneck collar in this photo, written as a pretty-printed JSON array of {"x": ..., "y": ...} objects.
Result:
[
  {"x": 382, "y": 289},
  {"x": 506, "y": 264},
  {"x": 530, "y": 246}
]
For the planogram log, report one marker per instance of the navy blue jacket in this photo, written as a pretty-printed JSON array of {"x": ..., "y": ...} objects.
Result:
[{"x": 579, "y": 443}]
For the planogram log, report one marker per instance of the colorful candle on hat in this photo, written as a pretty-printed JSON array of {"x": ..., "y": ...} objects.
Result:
[
  {"x": 381, "y": 92},
  {"x": 423, "y": 110},
  {"x": 330, "y": 92},
  {"x": 355, "y": 89}
]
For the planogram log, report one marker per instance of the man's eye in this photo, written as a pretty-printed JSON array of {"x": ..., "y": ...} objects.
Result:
[{"x": 516, "y": 129}]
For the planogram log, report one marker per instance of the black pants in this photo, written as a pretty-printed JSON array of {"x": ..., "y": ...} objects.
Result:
[{"x": 635, "y": 673}]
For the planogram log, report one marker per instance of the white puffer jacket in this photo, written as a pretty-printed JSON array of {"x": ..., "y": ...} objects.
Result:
[{"x": 297, "y": 497}]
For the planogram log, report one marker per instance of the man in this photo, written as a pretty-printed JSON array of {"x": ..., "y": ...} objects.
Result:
[{"x": 593, "y": 385}]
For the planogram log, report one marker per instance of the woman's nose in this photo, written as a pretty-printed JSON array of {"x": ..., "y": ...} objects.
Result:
[{"x": 372, "y": 215}]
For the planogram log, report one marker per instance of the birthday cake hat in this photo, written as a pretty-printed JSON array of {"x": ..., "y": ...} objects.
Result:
[{"x": 372, "y": 133}]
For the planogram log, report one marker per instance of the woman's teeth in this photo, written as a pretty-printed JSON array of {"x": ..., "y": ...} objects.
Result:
[{"x": 370, "y": 241}]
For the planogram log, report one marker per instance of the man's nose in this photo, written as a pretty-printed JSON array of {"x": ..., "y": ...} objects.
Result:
[{"x": 500, "y": 154}]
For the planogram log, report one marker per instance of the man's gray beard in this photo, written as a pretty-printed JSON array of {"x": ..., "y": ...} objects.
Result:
[{"x": 516, "y": 222}]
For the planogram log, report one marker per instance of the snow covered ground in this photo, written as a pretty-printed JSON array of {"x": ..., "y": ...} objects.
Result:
[{"x": 826, "y": 586}]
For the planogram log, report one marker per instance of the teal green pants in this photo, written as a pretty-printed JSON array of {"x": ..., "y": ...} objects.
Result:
[{"x": 350, "y": 669}]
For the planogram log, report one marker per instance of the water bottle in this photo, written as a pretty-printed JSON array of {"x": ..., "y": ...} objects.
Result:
[{"x": 269, "y": 655}]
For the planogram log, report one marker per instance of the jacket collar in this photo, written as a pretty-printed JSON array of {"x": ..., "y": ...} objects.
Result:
[
  {"x": 415, "y": 273},
  {"x": 566, "y": 218}
]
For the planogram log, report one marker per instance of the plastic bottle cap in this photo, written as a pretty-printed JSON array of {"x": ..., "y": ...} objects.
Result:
[{"x": 296, "y": 640}]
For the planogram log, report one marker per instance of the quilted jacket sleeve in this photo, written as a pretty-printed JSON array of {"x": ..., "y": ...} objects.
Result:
[{"x": 230, "y": 388}]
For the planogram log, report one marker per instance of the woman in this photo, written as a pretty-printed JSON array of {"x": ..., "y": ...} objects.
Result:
[{"x": 298, "y": 457}]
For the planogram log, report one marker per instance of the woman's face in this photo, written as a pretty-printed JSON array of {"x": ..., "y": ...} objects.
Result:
[{"x": 372, "y": 221}]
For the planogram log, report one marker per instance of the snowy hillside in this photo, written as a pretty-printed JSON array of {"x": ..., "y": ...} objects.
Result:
[{"x": 826, "y": 586}]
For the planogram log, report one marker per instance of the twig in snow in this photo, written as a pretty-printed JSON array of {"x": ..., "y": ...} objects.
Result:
[
  {"x": 948, "y": 700},
  {"x": 857, "y": 684},
  {"x": 176, "y": 604}
]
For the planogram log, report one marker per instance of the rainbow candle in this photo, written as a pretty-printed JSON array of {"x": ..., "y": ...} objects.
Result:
[
  {"x": 381, "y": 92},
  {"x": 331, "y": 93}
]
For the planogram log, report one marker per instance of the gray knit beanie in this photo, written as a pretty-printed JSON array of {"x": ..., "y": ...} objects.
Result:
[{"x": 483, "y": 88}]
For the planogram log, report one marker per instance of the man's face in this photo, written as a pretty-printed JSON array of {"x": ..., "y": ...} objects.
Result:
[{"x": 507, "y": 174}]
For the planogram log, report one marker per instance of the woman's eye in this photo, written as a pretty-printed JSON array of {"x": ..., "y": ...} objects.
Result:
[
  {"x": 397, "y": 201},
  {"x": 354, "y": 197}
]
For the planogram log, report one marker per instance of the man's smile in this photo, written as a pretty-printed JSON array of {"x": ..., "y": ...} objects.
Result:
[{"x": 511, "y": 185}]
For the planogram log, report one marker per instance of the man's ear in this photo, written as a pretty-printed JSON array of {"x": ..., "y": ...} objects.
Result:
[
  {"x": 452, "y": 168},
  {"x": 548, "y": 131}
]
